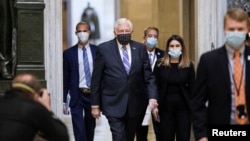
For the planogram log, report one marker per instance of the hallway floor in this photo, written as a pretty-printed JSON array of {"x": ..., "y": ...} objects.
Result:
[{"x": 102, "y": 131}]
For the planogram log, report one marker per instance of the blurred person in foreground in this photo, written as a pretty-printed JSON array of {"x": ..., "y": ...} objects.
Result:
[
  {"x": 121, "y": 74},
  {"x": 218, "y": 98},
  {"x": 25, "y": 111}
]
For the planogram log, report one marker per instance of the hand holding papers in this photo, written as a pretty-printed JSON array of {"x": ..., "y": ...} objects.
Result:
[{"x": 147, "y": 117}]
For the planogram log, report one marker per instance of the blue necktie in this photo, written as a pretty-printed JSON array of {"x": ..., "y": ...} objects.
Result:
[
  {"x": 86, "y": 67},
  {"x": 125, "y": 59},
  {"x": 150, "y": 58}
]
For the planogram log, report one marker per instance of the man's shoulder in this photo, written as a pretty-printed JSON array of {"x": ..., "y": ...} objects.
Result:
[
  {"x": 92, "y": 45},
  {"x": 22, "y": 100},
  {"x": 112, "y": 41},
  {"x": 215, "y": 54},
  {"x": 159, "y": 50},
  {"x": 70, "y": 48},
  {"x": 136, "y": 43}
]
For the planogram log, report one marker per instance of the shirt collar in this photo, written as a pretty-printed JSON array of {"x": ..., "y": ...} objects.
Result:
[
  {"x": 230, "y": 51},
  {"x": 153, "y": 51},
  {"x": 81, "y": 47},
  {"x": 120, "y": 45}
]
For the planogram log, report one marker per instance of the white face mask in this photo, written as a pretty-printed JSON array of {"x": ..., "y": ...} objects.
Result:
[
  {"x": 151, "y": 42},
  {"x": 83, "y": 36},
  {"x": 235, "y": 38},
  {"x": 175, "y": 53}
]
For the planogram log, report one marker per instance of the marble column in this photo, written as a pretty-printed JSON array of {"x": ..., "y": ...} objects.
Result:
[
  {"x": 53, "y": 52},
  {"x": 210, "y": 14}
]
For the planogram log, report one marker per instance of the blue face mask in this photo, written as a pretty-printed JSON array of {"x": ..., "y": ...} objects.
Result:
[
  {"x": 151, "y": 42},
  {"x": 175, "y": 53},
  {"x": 235, "y": 38}
]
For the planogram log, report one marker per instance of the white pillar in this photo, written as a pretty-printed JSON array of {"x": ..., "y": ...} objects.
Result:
[
  {"x": 210, "y": 14},
  {"x": 53, "y": 52}
]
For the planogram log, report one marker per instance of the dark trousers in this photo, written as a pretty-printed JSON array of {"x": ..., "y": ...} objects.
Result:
[
  {"x": 123, "y": 129},
  {"x": 141, "y": 131},
  {"x": 175, "y": 121},
  {"x": 83, "y": 126},
  {"x": 156, "y": 126}
]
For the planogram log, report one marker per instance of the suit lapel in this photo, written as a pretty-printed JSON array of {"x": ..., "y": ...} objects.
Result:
[
  {"x": 247, "y": 77},
  {"x": 222, "y": 54},
  {"x": 158, "y": 53},
  {"x": 74, "y": 56},
  {"x": 93, "y": 51},
  {"x": 133, "y": 50}
]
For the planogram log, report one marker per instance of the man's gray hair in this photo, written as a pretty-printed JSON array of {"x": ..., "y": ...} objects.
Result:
[{"x": 122, "y": 21}]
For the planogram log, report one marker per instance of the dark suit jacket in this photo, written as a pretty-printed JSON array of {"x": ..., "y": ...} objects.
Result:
[
  {"x": 186, "y": 77},
  {"x": 159, "y": 53},
  {"x": 116, "y": 91},
  {"x": 71, "y": 73},
  {"x": 213, "y": 85}
]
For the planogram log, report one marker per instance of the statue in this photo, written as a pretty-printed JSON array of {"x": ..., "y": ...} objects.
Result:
[
  {"x": 90, "y": 16},
  {"x": 7, "y": 38}
]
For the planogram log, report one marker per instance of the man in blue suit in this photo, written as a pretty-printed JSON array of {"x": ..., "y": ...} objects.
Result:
[
  {"x": 76, "y": 83},
  {"x": 122, "y": 83}
]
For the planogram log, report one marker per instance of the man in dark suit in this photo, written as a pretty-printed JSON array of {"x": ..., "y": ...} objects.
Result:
[
  {"x": 151, "y": 35},
  {"x": 120, "y": 77},
  {"x": 214, "y": 89},
  {"x": 76, "y": 83}
]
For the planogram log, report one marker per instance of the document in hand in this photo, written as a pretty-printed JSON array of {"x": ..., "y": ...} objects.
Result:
[
  {"x": 66, "y": 108},
  {"x": 147, "y": 117}
]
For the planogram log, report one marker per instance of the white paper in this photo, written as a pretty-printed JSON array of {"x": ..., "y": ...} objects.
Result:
[
  {"x": 147, "y": 117},
  {"x": 66, "y": 108}
]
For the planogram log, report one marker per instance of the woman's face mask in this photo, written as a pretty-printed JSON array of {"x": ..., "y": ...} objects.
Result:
[{"x": 175, "y": 53}]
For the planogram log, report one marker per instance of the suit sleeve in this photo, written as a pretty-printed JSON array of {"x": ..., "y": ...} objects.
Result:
[
  {"x": 149, "y": 78},
  {"x": 191, "y": 78},
  {"x": 156, "y": 74},
  {"x": 96, "y": 79},
  {"x": 66, "y": 71},
  {"x": 199, "y": 98}
]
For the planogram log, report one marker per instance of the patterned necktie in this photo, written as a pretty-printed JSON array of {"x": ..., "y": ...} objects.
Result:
[
  {"x": 86, "y": 67},
  {"x": 239, "y": 91},
  {"x": 150, "y": 58},
  {"x": 125, "y": 59}
]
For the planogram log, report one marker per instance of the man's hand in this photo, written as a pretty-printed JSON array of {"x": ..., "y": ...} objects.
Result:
[
  {"x": 95, "y": 112},
  {"x": 44, "y": 99},
  {"x": 155, "y": 113},
  {"x": 153, "y": 103},
  {"x": 203, "y": 139}
]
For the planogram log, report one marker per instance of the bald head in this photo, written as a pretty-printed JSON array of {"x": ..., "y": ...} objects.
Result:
[{"x": 27, "y": 84}]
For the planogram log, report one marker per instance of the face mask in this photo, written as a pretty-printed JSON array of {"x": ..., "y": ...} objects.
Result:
[
  {"x": 175, "y": 53},
  {"x": 123, "y": 39},
  {"x": 235, "y": 39},
  {"x": 151, "y": 42},
  {"x": 83, "y": 36}
]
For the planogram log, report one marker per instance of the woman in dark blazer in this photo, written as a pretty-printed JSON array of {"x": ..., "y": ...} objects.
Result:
[{"x": 175, "y": 75}]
